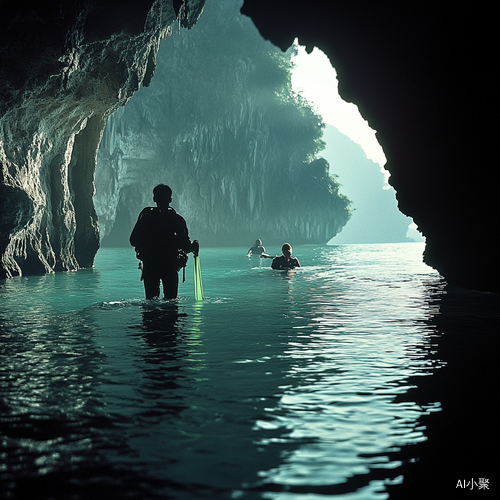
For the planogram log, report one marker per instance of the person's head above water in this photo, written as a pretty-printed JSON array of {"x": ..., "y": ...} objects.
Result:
[
  {"x": 258, "y": 243},
  {"x": 287, "y": 250},
  {"x": 162, "y": 195}
]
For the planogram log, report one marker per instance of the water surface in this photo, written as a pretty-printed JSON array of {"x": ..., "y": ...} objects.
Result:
[{"x": 279, "y": 385}]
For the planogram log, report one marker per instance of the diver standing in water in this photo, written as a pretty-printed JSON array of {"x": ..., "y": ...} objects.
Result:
[
  {"x": 285, "y": 261},
  {"x": 257, "y": 249},
  {"x": 161, "y": 240}
]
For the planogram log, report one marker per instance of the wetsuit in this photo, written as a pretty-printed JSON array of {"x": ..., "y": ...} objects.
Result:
[
  {"x": 157, "y": 237},
  {"x": 281, "y": 262}
]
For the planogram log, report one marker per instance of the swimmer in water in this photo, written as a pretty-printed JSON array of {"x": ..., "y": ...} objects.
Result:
[
  {"x": 257, "y": 249},
  {"x": 285, "y": 261}
]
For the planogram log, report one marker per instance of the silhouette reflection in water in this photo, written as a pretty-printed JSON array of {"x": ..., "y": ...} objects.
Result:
[{"x": 163, "y": 359}]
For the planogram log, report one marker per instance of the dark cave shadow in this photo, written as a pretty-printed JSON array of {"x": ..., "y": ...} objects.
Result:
[{"x": 463, "y": 436}]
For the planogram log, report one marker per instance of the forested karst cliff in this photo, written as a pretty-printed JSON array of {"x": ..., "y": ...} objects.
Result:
[{"x": 220, "y": 124}]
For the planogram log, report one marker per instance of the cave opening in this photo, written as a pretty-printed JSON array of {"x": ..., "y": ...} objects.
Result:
[
  {"x": 404, "y": 67},
  {"x": 382, "y": 321}
]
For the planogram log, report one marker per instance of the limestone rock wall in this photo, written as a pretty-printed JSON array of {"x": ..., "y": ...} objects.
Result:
[{"x": 64, "y": 67}]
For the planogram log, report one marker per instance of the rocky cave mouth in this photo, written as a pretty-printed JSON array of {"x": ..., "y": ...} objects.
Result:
[
  {"x": 422, "y": 75},
  {"x": 82, "y": 71}
]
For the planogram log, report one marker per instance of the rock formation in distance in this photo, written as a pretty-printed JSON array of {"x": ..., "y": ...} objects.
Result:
[
  {"x": 375, "y": 215},
  {"x": 237, "y": 146}
]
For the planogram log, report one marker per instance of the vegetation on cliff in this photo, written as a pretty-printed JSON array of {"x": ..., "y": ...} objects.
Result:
[{"x": 221, "y": 125}]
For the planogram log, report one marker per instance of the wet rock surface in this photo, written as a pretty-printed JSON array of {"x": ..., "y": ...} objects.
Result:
[{"x": 65, "y": 66}]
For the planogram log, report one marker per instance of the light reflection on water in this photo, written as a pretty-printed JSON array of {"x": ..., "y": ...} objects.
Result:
[{"x": 279, "y": 385}]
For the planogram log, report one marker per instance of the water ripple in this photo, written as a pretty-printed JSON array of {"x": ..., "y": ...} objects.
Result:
[{"x": 277, "y": 385}]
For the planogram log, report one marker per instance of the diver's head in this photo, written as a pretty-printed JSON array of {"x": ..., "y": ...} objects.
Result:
[
  {"x": 162, "y": 195},
  {"x": 287, "y": 250}
]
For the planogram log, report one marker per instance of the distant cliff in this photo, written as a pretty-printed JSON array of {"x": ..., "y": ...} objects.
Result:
[
  {"x": 64, "y": 67},
  {"x": 220, "y": 124},
  {"x": 375, "y": 215}
]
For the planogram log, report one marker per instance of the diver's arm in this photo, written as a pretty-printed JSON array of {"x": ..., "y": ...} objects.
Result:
[{"x": 267, "y": 256}]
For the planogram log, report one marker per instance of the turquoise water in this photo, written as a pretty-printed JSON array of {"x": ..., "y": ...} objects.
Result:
[{"x": 279, "y": 385}]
